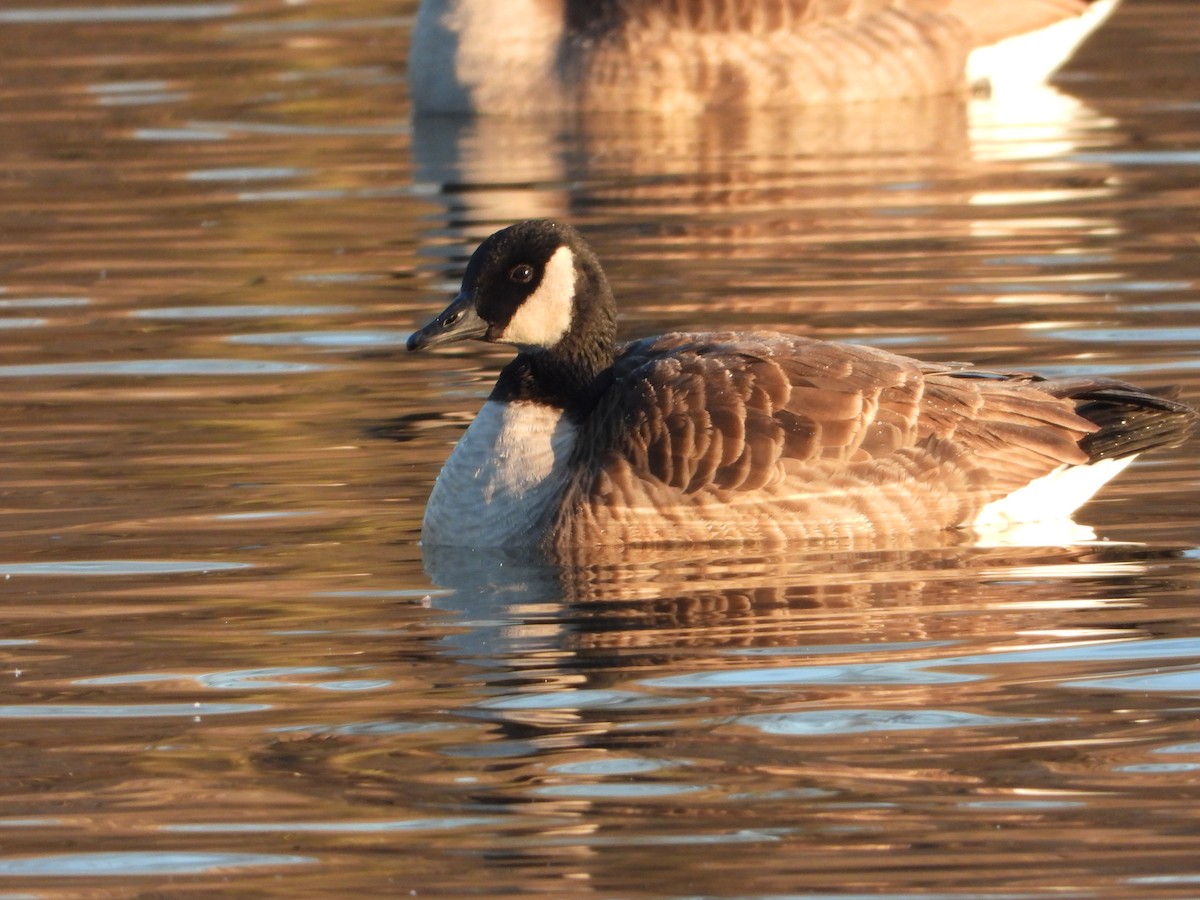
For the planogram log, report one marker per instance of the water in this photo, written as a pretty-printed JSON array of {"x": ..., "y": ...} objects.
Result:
[{"x": 227, "y": 667}]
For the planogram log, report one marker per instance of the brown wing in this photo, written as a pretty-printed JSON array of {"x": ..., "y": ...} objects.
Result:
[
  {"x": 733, "y": 436},
  {"x": 707, "y": 412},
  {"x": 701, "y": 412},
  {"x": 1008, "y": 426}
]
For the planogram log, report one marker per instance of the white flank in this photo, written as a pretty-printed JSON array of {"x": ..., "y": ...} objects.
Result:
[
  {"x": 504, "y": 475},
  {"x": 545, "y": 316},
  {"x": 1035, "y": 56},
  {"x": 1047, "y": 500}
]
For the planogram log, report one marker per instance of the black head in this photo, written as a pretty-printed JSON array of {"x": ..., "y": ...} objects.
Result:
[{"x": 536, "y": 285}]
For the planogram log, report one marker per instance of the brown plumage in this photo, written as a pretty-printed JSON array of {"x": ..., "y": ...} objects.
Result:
[
  {"x": 760, "y": 437},
  {"x": 708, "y": 437},
  {"x": 690, "y": 55}
]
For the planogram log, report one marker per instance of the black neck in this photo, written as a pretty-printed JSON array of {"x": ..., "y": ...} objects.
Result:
[
  {"x": 570, "y": 382},
  {"x": 569, "y": 375}
]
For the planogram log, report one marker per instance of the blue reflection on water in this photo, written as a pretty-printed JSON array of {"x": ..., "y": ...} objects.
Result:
[
  {"x": 907, "y": 672},
  {"x": 582, "y": 699},
  {"x": 179, "y": 134},
  {"x": 922, "y": 671},
  {"x": 609, "y": 766},
  {"x": 1187, "y": 680},
  {"x": 1139, "y": 158},
  {"x": 246, "y": 173},
  {"x": 634, "y": 791},
  {"x": 1179, "y": 748},
  {"x": 1158, "y": 768},
  {"x": 162, "y": 12},
  {"x": 349, "y": 339},
  {"x": 1050, "y": 285},
  {"x": 246, "y": 679},
  {"x": 262, "y": 311},
  {"x": 1126, "y": 335},
  {"x": 42, "y": 302},
  {"x": 158, "y": 367},
  {"x": 121, "y": 567},
  {"x": 140, "y": 863},
  {"x": 126, "y": 710},
  {"x": 856, "y": 721},
  {"x": 432, "y": 824}
]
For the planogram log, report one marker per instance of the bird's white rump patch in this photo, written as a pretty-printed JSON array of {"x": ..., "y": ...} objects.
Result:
[
  {"x": 1035, "y": 56},
  {"x": 1051, "y": 498}
]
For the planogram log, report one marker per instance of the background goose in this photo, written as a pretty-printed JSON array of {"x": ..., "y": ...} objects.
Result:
[
  {"x": 746, "y": 436},
  {"x": 688, "y": 55}
]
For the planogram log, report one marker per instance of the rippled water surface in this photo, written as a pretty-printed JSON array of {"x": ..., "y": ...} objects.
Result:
[{"x": 227, "y": 668}]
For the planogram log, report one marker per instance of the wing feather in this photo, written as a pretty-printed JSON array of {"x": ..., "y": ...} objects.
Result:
[{"x": 719, "y": 412}]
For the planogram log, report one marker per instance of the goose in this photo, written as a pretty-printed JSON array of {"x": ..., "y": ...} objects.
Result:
[
  {"x": 537, "y": 56},
  {"x": 746, "y": 437}
]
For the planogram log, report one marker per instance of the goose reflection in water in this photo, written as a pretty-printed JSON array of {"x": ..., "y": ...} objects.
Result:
[{"x": 692, "y": 607}]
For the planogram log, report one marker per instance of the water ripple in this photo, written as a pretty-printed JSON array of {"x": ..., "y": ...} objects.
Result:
[
  {"x": 248, "y": 311},
  {"x": 634, "y": 791},
  {"x": 42, "y": 302},
  {"x": 348, "y": 339},
  {"x": 1184, "y": 680},
  {"x": 179, "y": 134},
  {"x": 126, "y": 710},
  {"x": 139, "y": 862},
  {"x": 247, "y": 173},
  {"x": 284, "y": 128},
  {"x": 166, "y": 12},
  {"x": 1140, "y": 158},
  {"x": 1125, "y": 336},
  {"x": 908, "y": 672},
  {"x": 617, "y": 766},
  {"x": 120, "y": 567},
  {"x": 927, "y": 671},
  {"x": 857, "y": 721},
  {"x": 573, "y": 700},
  {"x": 158, "y": 367},
  {"x": 246, "y": 679},
  {"x": 389, "y": 825}
]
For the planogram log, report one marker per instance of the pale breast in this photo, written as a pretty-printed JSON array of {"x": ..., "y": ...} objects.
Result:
[{"x": 504, "y": 478}]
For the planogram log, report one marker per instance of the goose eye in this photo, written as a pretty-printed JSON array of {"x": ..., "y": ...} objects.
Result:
[{"x": 521, "y": 274}]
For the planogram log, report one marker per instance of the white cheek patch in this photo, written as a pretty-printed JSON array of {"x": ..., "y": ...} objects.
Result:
[{"x": 545, "y": 316}]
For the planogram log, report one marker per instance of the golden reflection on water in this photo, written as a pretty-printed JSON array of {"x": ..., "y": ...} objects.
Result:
[{"x": 227, "y": 661}]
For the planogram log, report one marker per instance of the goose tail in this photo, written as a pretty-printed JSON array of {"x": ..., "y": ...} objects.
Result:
[
  {"x": 1031, "y": 55},
  {"x": 1129, "y": 420}
]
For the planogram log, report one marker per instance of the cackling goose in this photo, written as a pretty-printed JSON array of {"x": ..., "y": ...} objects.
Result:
[
  {"x": 535, "y": 56},
  {"x": 746, "y": 437}
]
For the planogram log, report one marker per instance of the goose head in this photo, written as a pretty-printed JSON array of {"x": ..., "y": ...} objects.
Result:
[{"x": 537, "y": 286}]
